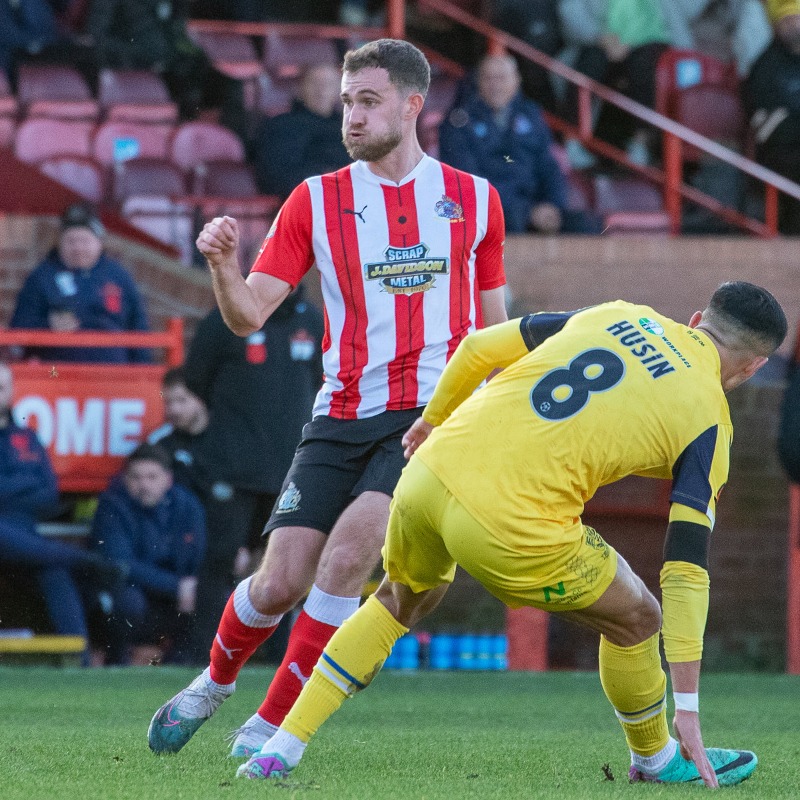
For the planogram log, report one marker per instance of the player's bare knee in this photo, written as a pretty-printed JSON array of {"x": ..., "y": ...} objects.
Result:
[
  {"x": 270, "y": 596},
  {"x": 647, "y": 616}
]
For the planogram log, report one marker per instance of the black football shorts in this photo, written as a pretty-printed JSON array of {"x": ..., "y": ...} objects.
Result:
[{"x": 335, "y": 462}]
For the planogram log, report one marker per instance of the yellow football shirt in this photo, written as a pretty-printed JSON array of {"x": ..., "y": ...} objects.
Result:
[{"x": 616, "y": 390}]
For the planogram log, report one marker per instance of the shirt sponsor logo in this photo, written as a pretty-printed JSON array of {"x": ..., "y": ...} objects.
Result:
[
  {"x": 651, "y": 326},
  {"x": 407, "y": 270},
  {"x": 449, "y": 209}
]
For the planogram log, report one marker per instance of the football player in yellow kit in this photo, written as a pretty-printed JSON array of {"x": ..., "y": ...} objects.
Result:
[{"x": 500, "y": 479}]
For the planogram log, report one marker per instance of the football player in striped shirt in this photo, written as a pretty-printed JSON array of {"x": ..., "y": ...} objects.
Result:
[{"x": 409, "y": 252}]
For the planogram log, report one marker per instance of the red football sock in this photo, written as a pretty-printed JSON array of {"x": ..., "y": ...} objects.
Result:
[
  {"x": 306, "y": 643},
  {"x": 234, "y": 643}
]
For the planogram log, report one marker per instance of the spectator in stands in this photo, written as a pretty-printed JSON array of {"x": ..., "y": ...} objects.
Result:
[
  {"x": 260, "y": 391},
  {"x": 28, "y": 490},
  {"x": 306, "y": 140},
  {"x": 26, "y": 28},
  {"x": 155, "y": 528},
  {"x": 771, "y": 95},
  {"x": 618, "y": 42},
  {"x": 185, "y": 438},
  {"x": 79, "y": 288},
  {"x": 501, "y": 135},
  {"x": 183, "y": 432},
  {"x": 151, "y": 34},
  {"x": 728, "y": 30},
  {"x": 536, "y": 23}
]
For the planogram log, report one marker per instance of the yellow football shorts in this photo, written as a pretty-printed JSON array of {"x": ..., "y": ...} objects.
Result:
[{"x": 430, "y": 532}]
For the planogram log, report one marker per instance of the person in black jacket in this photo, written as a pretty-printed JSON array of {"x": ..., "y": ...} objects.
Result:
[
  {"x": 28, "y": 490},
  {"x": 771, "y": 96},
  {"x": 79, "y": 288},
  {"x": 259, "y": 391},
  {"x": 156, "y": 529},
  {"x": 306, "y": 140}
]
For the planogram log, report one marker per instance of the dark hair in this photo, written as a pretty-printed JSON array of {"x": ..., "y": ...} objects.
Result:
[
  {"x": 80, "y": 215},
  {"x": 407, "y": 66},
  {"x": 753, "y": 311},
  {"x": 150, "y": 452},
  {"x": 175, "y": 376}
]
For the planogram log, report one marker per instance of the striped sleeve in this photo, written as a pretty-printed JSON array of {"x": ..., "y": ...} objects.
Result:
[
  {"x": 489, "y": 266},
  {"x": 287, "y": 252}
]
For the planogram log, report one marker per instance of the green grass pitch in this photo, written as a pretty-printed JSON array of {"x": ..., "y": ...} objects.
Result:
[{"x": 81, "y": 734}]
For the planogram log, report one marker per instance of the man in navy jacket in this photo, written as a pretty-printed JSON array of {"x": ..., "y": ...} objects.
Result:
[
  {"x": 501, "y": 135},
  {"x": 156, "y": 528},
  {"x": 79, "y": 288},
  {"x": 28, "y": 491}
]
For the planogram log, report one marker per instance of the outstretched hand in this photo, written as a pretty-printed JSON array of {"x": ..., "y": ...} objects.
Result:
[
  {"x": 219, "y": 241},
  {"x": 415, "y": 436},
  {"x": 686, "y": 726}
]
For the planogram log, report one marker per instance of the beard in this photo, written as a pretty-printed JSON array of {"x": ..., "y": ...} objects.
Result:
[{"x": 372, "y": 149}]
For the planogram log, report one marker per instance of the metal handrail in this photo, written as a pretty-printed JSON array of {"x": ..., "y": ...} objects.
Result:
[{"x": 675, "y": 134}]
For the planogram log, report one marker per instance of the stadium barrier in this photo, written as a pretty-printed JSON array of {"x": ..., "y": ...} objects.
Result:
[{"x": 90, "y": 417}]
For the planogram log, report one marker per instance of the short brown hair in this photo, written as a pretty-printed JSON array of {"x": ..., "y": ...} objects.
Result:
[
  {"x": 407, "y": 66},
  {"x": 150, "y": 452}
]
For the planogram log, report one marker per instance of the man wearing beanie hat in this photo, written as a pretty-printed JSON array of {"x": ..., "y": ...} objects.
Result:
[
  {"x": 78, "y": 287},
  {"x": 771, "y": 95}
]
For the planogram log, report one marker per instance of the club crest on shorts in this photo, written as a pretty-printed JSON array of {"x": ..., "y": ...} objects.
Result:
[
  {"x": 449, "y": 209},
  {"x": 289, "y": 500}
]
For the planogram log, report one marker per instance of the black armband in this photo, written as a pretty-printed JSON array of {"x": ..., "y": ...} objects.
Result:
[{"x": 687, "y": 541}]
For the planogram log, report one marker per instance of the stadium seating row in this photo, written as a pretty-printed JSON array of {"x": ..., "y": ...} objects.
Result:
[{"x": 164, "y": 178}]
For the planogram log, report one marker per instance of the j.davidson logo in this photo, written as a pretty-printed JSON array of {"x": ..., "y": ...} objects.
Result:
[{"x": 407, "y": 270}]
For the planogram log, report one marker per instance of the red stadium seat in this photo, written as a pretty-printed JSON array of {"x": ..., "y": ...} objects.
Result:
[
  {"x": 135, "y": 95},
  {"x": 54, "y": 90},
  {"x": 8, "y": 130},
  {"x": 232, "y": 54},
  {"x": 117, "y": 141},
  {"x": 702, "y": 93},
  {"x": 625, "y": 193},
  {"x": 225, "y": 179},
  {"x": 40, "y": 138},
  {"x": 164, "y": 218},
  {"x": 83, "y": 175},
  {"x": 287, "y": 56},
  {"x": 146, "y": 176},
  {"x": 195, "y": 143}
]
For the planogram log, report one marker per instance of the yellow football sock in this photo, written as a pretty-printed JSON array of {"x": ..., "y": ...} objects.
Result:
[
  {"x": 351, "y": 659},
  {"x": 636, "y": 685}
]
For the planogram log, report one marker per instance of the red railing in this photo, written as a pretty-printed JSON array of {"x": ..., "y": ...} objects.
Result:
[
  {"x": 675, "y": 135},
  {"x": 170, "y": 340}
]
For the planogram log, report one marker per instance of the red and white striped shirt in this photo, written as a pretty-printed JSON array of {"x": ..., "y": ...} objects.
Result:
[{"x": 401, "y": 267}]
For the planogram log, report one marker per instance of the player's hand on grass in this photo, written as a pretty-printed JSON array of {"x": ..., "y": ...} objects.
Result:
[
  {"x": 415, "y": 436},
  {"x": 686, "y": 726},
  {"x": 218, "y": 241}
]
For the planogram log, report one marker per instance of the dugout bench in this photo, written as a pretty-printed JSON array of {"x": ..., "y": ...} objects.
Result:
[{"x": 89, "y": 417}]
